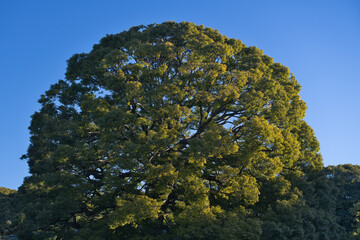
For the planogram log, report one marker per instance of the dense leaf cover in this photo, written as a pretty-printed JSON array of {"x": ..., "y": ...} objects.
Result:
[
  {"x": 8, "y": 210},
  {"x": 172, "y": 131}
]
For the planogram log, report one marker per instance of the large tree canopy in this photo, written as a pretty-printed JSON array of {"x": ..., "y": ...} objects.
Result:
[{"x": 165, "y": 130}]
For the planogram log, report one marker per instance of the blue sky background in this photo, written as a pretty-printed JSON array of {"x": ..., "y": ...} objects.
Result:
[{"x": 318, "y": 41}]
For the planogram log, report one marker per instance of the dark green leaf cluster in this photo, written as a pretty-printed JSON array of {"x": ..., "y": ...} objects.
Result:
[
  {"x": 8, "y": 211},
  {"x": 327, "y": 206}
]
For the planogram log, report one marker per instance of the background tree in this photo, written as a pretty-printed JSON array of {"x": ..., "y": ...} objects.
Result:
[
  {"x": 347, "y": 180},
  {"x": 8, "y": 211},
  {"x": 300, "y": 207},
  {"x": 164, "y": 131}
]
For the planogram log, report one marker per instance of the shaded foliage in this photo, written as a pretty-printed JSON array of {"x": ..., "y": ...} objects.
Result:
[
  {"x": 346, "y": 179},
  {"x": 8, "y": 211}
]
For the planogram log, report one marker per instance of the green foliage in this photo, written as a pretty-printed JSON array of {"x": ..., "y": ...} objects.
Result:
[
  {"x": 8, "y": 211},
  {"x": 347, "y": 180},
  {"x": 300, "y": 207},
  {"x": 166, "y": 131},
  {"x": 355, "y": 211},
  {"x": 6, "y": 191},
  {"x": 319, "y": 205}
]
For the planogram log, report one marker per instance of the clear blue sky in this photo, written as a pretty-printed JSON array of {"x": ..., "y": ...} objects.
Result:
[{"x": 318, "y": 41}]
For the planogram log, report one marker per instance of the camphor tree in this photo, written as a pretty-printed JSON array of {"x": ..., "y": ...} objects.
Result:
[{"x": 163, "y": 131}]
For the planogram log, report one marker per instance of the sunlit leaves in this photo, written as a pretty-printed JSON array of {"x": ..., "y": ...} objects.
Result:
[{"x": 131, "y": 209}]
